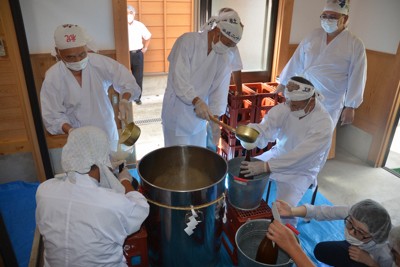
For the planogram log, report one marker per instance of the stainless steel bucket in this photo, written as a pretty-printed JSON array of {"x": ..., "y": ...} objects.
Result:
[
  {"x": 177, "y": 181},
  {"x": 248, "y": 237},
  {"x": 244, "y": 194}
]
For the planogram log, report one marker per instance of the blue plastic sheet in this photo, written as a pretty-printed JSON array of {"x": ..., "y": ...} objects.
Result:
[{"x": 17, "y": 207}]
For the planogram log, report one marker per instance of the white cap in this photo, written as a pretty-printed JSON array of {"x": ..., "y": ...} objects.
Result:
[
  {"x": 70, "y": 36},
  {"x": 338, "y": 6}
]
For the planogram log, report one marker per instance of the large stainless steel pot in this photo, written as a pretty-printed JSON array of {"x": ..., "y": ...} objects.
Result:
[{"x": 177, "y": 181}]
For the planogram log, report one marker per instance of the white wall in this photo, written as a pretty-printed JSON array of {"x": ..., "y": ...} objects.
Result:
[
  {"x": 41, "y": 18},
  {"x": 376, "y": 23}
]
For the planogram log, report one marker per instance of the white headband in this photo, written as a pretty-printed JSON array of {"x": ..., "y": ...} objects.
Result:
[
  {"x": 228, "y": 22},
  {"x": 304, "y": 92}
]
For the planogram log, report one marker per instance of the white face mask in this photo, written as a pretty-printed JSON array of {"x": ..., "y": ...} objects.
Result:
[
  {"x": 219, "y": 47},
  {"x": 351, "y": 239},
  {"x": 130, "y": 18},
  {"x": 77, "y": 66},
  {"x": 329, "y": 25},
  {"x": 301, "y": 113}
]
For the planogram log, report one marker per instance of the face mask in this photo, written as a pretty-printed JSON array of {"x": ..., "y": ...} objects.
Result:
[
  {"x": 367, "y": 246},
  {"x": 130, "y": 18},
  {"x": 77, "y": 66},
  {"x": 351, "y": 239},
  {"x": 329, "y": 25},
  {"x": 301, "y": 113},
  {"x": 219, "y": 47}
]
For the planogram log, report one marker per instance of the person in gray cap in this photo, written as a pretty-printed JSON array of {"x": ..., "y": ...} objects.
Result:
[{"x": 367, "y": 227}]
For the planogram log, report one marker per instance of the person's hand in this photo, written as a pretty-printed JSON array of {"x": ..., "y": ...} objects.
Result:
[
  {"x": 359, "y": 255},
  {"x": 252, "y": 168},
  {"x": 283, "y": 236},
  {"x": 216, "y": 132},
  {"x": 284, "y": 208},
  {"x": 247, "y": 145},
  {"x": 125, "y": 175},
  {"x": 347, "y": 116},
  {"x": 144, "y": 50},
  {"x": 115, "y": 163},
  {"x": 124, "y": 107},
  {"x": 202, "y": 110}
]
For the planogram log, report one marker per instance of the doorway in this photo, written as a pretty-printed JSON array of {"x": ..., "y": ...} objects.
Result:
[{"x": 392, "y": 163}]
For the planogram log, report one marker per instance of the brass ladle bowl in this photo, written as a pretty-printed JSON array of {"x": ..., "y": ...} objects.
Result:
[
  {"x": 242, "y": 132},
  {"x": 130, "y": 134}
]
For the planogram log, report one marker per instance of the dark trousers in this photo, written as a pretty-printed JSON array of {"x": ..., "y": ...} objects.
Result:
[
  {"x": 335, "y": 253},
  {"x": 137, "y": 68}
]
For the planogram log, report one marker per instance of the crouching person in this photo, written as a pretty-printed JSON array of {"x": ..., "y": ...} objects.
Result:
[{"x": 86, "y": 215}]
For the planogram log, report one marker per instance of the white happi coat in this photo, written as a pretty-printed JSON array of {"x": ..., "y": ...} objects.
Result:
[
  {"x": 84, "y": 224},
  {"x": 301, "y": 145},
  {"x": 338, "y": 70},
  {"x": 194, "y": 73},
  {"x": 63, "y": 100}
]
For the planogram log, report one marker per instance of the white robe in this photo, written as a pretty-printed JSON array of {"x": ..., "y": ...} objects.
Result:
[
  {"x": 194, "y": 73},
  {"x": 301, "y": 145},
  {"x": 337, "y": 70},
  {"x": 83, "y": 224},
  {"x": 64, "y": 101}
]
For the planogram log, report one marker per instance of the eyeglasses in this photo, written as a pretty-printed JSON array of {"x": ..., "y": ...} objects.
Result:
[
  {"x": 358, "y": 232},
  {"x": 329, "y": 17}
]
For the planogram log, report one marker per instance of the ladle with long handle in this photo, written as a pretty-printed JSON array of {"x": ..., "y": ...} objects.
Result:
[{"x": 242, "y": 132}]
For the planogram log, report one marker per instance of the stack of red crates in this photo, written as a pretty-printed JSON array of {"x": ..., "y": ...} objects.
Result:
[
  {"x": 240, "y": 111},
  {"x": 257, "y": 99},
  {"x": 235, "y": 219}
]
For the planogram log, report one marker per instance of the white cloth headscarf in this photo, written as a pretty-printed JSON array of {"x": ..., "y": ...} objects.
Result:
[
  {"x": 338, "y": 6},
  {"x": 88, "y": 146},
  {"x": 228, "y": 22}
]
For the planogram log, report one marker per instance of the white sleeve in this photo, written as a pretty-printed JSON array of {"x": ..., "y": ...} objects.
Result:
[
  {"x": 326, "y": 213},
  {"x": 135, "y": 213},
  {"x": 54, "y": 113},
  {"x": 179, "y": 70}
]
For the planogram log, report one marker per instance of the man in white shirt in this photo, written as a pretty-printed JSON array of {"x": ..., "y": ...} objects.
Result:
[
  {"x": 85, "y": 215},
  {"x": 334, "y": 60},
  {"x": 198, "y": 81},
  {"x": 303, "y": 131},
  {"x": 75, "y": 90},
  {"x": 139, "y": 40}
]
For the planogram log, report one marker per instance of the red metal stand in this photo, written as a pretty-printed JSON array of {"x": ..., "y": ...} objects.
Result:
[
  {"x": 235, "y": 219},
  {"x": 135, "y": 249}
]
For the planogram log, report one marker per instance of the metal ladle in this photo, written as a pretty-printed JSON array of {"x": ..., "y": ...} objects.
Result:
[
  {"x": 130, "y": 134},
  {"x": 242, "y": 132}
]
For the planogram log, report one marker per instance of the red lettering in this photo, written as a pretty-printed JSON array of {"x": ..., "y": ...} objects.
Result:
[{"x": 70, "y": 38}]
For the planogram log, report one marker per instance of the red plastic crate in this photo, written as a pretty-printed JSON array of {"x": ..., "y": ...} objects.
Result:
[
  {"x": 236, "y": 218},
  {"x": 135, "y": 249},
  {"x": 235, "y": 101},
  {"x": 237, "y": 116},
  {"x": 229, "y": 138},
  {"x": 266, "y": 104},
  {"x": 229, "y": 152}
]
